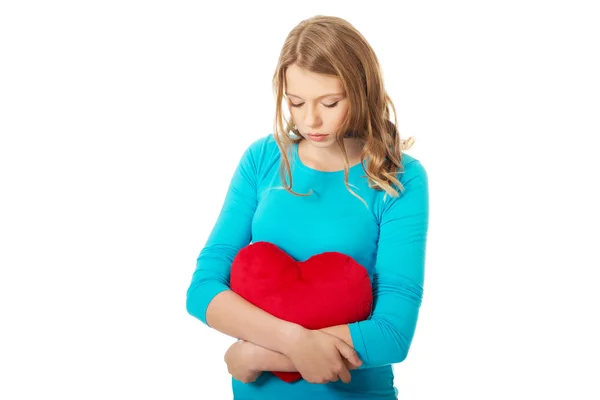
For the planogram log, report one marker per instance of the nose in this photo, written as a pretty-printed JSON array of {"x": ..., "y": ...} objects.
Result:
[{"x": 311, "y": 119}]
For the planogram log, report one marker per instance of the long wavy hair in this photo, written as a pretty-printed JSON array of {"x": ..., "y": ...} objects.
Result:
[{"x": 332, "y": 46}]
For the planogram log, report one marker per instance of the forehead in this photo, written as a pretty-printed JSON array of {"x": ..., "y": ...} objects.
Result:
[{"x": 308, "y": 85}]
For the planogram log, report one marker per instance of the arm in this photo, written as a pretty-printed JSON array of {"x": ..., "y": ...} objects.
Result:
[
  {"x": 319, "y": 357},
  {"x": 231, "y": 314},
  {"x": 259, "y": 359},
  {"x": 209, "y": 297},
  {"x": 398, "y": 289},
  {"x": 272, "y": 361},
  {"x": 386, "y": 336},
  {"x": 340, "y": 331},
  {"x": 262, "y": 359}
]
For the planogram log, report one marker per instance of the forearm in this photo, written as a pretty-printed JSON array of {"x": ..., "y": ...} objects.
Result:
[
  {"x": 340, "y": 331},
  {"x": 232, "y": 315},
  {"x": 269, "y": 360}
]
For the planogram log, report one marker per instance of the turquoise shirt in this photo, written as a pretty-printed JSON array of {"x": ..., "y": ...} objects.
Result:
[{"x": 388, "y": 238}]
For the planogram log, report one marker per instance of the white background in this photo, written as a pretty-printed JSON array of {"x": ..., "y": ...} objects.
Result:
[{"x": 122, "y": 121}]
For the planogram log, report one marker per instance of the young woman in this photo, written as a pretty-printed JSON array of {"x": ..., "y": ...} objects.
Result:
[{"x": 334, "y": 178}]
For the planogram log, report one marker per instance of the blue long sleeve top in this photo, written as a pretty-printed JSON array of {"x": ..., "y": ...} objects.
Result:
[{"x": 388, "y": 238}]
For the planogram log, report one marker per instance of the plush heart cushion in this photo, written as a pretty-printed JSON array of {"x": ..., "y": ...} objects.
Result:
[{"x": 327, "y": 289}]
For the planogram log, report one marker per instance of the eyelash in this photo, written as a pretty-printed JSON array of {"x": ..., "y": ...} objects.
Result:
[{"x": 328, "y": 106}]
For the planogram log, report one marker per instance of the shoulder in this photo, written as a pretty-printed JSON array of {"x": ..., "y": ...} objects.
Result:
[
  {"x": 413, "y": 198},
  {"x": 263, "y": 145},
  {"x": 413, "y": 179},
  {"x": 412, "y": 170},
  {"x": 261, "y": 154}
]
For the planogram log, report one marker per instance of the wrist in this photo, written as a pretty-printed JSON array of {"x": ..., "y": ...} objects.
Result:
[
  {"x": 257, "y": 358},
  {"x": 290, "y": 336}
]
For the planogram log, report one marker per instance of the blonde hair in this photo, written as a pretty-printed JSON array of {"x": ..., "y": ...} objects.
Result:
[{"x": 332, "y": 46}]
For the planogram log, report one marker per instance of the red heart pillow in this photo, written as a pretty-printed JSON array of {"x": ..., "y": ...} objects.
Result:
[{"x": 328, "y": 289}]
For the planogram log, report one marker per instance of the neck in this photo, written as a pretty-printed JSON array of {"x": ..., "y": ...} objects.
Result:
[{"x": 330, "y": 158}]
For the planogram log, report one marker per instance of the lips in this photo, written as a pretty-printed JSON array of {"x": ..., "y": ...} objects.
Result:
[{"x": 316, "y": 138}]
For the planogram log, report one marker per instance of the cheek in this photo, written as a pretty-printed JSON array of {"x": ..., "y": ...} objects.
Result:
[
  {"x": 339, "y": 115},
  {"x": 294, "y": 113}
]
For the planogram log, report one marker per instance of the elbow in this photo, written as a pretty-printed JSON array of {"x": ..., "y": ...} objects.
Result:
[
  {"x": 399, "y": 351},
  {"x": 400, "y": 356},
  {"x": 398, "y": 342},
  {"x": 200, "y": 294},
  {"x": 210, "y": 277},
  {"x": 192, "y": 302}
]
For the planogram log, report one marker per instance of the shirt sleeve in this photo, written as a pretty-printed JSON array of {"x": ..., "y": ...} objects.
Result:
[
  {"x": 231, "y": 232},
  {"x": 386, "y": 336}
]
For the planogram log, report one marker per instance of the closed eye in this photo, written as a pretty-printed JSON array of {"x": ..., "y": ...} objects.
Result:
[{"x": 326, "y": 105}]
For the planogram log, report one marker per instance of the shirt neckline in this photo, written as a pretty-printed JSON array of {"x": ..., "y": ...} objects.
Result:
[{"x": 306, "y": 168}]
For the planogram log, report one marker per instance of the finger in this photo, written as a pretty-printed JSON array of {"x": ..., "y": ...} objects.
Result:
[
  {"x": 344, "y": 375},
  {"x": 348, "y": 353},
  {"x": 349, "y": 365}
]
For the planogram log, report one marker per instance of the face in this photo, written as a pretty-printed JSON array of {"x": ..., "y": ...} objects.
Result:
[{"x": 317, "y": 104}]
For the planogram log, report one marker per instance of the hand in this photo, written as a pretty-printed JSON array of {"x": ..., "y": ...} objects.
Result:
[
  {"x": 349, "y": 365},
  {"x": 321, "y": 357},
  {"x": 239, "y": 359}
]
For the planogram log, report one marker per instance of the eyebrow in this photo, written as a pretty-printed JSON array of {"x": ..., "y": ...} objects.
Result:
[{"x": 320, "y": 97}]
